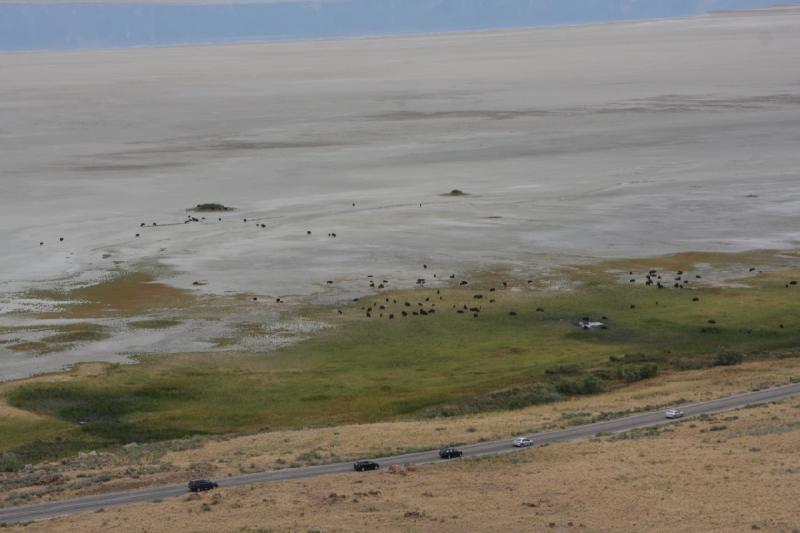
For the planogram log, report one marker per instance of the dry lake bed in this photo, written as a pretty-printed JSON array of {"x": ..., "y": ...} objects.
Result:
[{"x": 570, "y": 144}]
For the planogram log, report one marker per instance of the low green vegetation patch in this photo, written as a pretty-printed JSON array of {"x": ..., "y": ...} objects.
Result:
[
  {"x": 225, "y": 342},
  {"x": 32, "y": 347},
  {"x": 641, "y": 433},
  {"x": 20, "y": 433},
  {"x": 523, "y": 347},
  {"x": 98, "y": 417},
  {"x": 60, "y": 337},
  {"x": 728, "y": 358},
  {"x": 509, "y": 399},
  {"x": 154, "y": 324},
  {"x": 76, "y": 336},
  {"x": 10, "y": 462}
]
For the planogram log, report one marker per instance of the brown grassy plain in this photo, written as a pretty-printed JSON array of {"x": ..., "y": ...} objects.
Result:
[
  {"x": 145, "y": 465},
  {"x": 737, "y": 471}
]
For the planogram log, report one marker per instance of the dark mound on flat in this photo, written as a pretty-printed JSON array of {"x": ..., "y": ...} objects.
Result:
[
  {"x": 206, "y": 208},
  {"x": 455, "y": 192}
]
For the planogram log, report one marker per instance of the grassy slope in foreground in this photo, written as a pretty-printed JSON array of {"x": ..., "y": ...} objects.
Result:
[
  {"x": 378, "y": 369},
  {"x": 689, "y": 476},
  {"x": 175, "y": 461}
]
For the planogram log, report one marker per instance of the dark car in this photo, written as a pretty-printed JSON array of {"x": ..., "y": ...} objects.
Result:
[
  {"x": 361, "y": 466},
  {"x": 198, "y": 485},
  {"x": 450, "y": 453}
]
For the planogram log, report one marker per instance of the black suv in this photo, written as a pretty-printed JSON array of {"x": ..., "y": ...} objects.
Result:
[
  {"x": 360, "y": 466},
  {"x": 450, "y": 453},
  {"x": 198, "y": 485}
]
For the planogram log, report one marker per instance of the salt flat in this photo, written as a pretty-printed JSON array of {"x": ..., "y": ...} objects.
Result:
[{"x": 625, "y": 139}]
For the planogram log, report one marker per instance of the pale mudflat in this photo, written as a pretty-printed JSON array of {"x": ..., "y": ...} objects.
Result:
[
  {"x": 615, "y": 140},
  {"x": 620, "y": 139}
]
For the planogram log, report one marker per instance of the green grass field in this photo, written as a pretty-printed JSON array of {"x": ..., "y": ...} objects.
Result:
[{"x": 370, "y": 369}]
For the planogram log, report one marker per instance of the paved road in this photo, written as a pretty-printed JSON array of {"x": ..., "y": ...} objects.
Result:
[{"x": 93, "y": 503}]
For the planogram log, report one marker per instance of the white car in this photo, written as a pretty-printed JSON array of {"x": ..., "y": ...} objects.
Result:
[
  {"x": 673, "y": 413},
  {"x": 521, "y": 442}
]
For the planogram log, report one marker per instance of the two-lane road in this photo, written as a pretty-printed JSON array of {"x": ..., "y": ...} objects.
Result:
[{"x": 93, "y": 503}]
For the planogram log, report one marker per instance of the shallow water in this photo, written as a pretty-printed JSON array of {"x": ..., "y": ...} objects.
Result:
[{"x": 64, "y": 25}]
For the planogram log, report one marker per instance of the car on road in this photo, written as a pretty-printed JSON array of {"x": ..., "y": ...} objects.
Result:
[
  {"x": 522, "y": 442},
  {"x": 199, "y": 485},
  {"x": 361, "y": 466},
  {"x": 673, "y": 413},
  {"x": 450, "y": 453}
]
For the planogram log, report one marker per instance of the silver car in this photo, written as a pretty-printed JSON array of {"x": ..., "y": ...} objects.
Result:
[
  {"x": 673, "y": 413},
  {"x": 521, "y": 442}
]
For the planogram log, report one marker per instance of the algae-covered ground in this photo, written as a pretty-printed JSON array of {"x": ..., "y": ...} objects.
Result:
[
  {"x": 128, "y": 313},
  {"x": 517, "y": 346}
]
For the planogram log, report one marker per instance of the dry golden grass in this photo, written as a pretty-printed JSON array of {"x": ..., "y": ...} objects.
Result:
[
  {"x": 79, "y": 370},
  {"x": 281, "y": 448},
  {"x": 737, "y": 471},
  {"x": 9, "y": 411}
]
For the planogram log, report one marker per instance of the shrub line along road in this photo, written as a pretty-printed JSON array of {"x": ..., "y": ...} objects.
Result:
[{"x": 94, "y": 503}]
